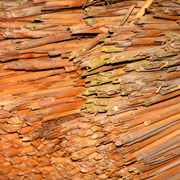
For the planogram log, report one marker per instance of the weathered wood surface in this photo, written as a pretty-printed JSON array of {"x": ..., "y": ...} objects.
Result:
[{"x": 89, "y": 89}]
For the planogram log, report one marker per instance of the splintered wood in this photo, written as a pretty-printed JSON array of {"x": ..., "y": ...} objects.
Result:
[{"x": 89, "y": 89}]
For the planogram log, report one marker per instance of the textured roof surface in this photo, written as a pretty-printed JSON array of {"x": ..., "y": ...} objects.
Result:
[{"x": 89, "y": 89}]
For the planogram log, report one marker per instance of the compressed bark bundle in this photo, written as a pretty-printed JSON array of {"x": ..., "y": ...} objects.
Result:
[{"x": 89, "y": 89}]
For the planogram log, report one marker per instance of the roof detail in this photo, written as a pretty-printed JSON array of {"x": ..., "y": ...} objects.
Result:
[{"x": 89, "y": 89}]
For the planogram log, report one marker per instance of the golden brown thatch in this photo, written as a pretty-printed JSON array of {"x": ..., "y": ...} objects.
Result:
[{"x": 89, "y": 89}]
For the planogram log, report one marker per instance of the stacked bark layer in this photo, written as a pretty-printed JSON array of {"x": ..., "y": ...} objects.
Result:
[{"x": 112, "y": 113}]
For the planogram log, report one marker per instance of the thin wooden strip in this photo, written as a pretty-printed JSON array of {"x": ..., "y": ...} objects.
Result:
[
  {"x": 131, "y": 136},
  {"x": 170, "y": 174},
  {"x": 65, "y": 4},
  {"x": 142, "y": 10},
  {"x": 154, "y": 117},
  {"x": 43, "y": 41},
  {"x": 165, "y": 168},
  {"x": 130, "y": 151},
  {"x": 40, "y": 64},
  {"x": 29, "y": 11},
  {"x": 160, "y": 98},
  {"x": 127, "y": 14},
  {"x": 158, "y": 145}
]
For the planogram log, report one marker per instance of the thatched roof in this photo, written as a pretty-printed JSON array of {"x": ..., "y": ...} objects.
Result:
[{"x": 89, "y": 89}]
